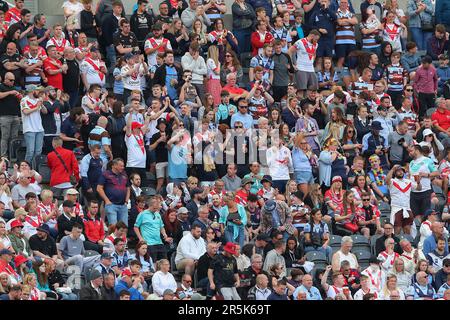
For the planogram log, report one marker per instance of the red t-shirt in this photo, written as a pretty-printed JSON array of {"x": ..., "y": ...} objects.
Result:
[
  {"x": 55, "y": 80},
  {"x": 442, "y": 118},
  {"x": 234, "y": 90}
]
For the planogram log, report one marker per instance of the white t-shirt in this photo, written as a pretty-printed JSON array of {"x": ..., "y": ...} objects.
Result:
[
  {"x": 211, "y": 65},
  {"x": 132, "y": 82},
  {"x": 152, "y": 125},
  {"x": 422, "y": 165},
  {"x": 93, "y": 76},
  {"x": 136, "y": 155},
  {"x": 31, "y": 122},
  {"x": 305, "y": 60}
]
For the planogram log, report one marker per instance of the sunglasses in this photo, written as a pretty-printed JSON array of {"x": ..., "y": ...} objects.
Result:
[
  {"x": 228, "y": 55},
  {"x": 350, "y": 131},
  {"x": 410, "y": 90},
  {"x": 365, "y": 199},
  {"x": 243, "y": 107},
  {"x": 238, "y": 127}
]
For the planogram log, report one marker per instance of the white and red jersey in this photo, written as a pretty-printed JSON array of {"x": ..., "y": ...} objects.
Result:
[
  {"x": 306, "y": 55},
  {"x": 3, "y": 28},
  {"x": 94, "y": 71},
  {"x": 387, "y": 260},
  {"x": 377, "y": 278},
  {"x": 266, "y": 194},
  {"x": 333, "y": 291},
  {"x": 30, "y": 225},
  {"x": 109, "y": 242},
  {"x": 85, "y": 50},
  {"x": 45, "y": 211},
  {"x": 88, "y": 99},
  {"x": 361, "y": 293},
  {"x": 400, "y": 191},
  {"x": 219, "y": 36},
  {"x": 60, "y": 44},
  {"x": 137, "y": 155},
  {"x": 152, "y": 43},
  {"x": 12, "y": 16}
]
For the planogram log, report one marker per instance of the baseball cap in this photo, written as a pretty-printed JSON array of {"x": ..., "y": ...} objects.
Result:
[
  {"x": 161, "y": 120},
  {"x": 197, "y": 296},
  {"x": 429, "y": 212},
  {"x": 136, "y": 125},
  {"x": 43, "y": 228},
  {"x": 18, "y": 260},
  {"x": 32, "y": 87},
  {"x": 168, "y": 291},
  {"x": 106, "y": 256},
  {"x": 182, "y": 210},
  {"x": 95, "y": 274},
  {"x": 126, "y": 273},
  {"x": 5, "y": 251},
  {"x": 72, "y": 191},
  {"x": 336, "y": 179},
  {"x": 427, "y": 132}
]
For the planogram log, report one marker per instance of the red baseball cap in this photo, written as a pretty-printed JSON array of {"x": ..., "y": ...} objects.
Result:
[
  {"x": 126, "y": 273},
  {"x": 135, "y": 125}
]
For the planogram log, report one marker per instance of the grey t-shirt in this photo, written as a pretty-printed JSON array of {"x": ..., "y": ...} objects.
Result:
[
  {"x": 19, "y": 192},
  {"x": 70, "y": 247},
  {"x": 396, "y": 151},
  {"x": 231, "y": 184}
]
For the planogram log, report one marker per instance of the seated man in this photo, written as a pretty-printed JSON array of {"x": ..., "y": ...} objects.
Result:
[
  {"x": 72, "y": 250},
  {"x": 190, "y": 248},
  {"x": 120, "y": 256}
]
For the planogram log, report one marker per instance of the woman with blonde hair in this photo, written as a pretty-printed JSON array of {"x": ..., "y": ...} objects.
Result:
[
  {"x": 178, "y": 36},
  {"x": 213, "y": 85},
  {"x": 5, "y": 283},
  {"x": 390, "y": 287},
  {"x": 403, "y": 276},
  {"x": 332, "y": 163},
  {"x": 35, "y": 294},
  {"x": 335, "y": 128},
  {"x": 163, "y": 279},
  {"x": 291, "y": 188},
  {"x": 304, "y": 161}
]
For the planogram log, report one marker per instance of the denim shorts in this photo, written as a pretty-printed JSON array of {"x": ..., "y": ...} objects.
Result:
[{"x": 304, "y": 177}]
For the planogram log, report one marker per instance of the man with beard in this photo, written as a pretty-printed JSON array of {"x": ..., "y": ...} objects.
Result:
[
  {"x": 70, "y": 128},
  {"x": 320, "y": 109},
  {"x": 33, "y": 130},
  {"x": 190, "y": 248},
  {"x": 9, "y": 112},
  {"x": 400, "y": 191},
  {"x": 55, "y": 104},
  {"x": 44, "y": 246},
  {"x": 423, "y": 170}
]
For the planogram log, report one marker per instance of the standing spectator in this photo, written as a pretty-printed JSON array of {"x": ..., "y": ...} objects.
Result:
[
  {"x": 114, "y": 188},
  {"x": 30, "y": 107},
  {"x": 442, "y": 13},
  {"x": 149, "y": 227},
  {"x": 54, "y": 68},
  {"x": 194, "y": 62},
  {"x": 109, "y": 23},
  {"x": 420, "y": 14},
  {"x": 90, "y": 171},
  {"x": 93, "y": 69},
  {"x": 243, "y": 20},
  {"x": 88, "y": 25},
  {"x": 13, "y": 14},
  {"x": 425, "y": 84},
  {"x": 141, "y": 22},
  {"x": 155, "y": 45},
  {"x": 305, "y": 50},
  {"x": 194, "y": 12},
  {"x": 223, "y": 274},
  {"x": 64, "y": 168},
  {"x": 71, "y": 80},
  {"x": 137, "y": 155},
  {"x": 374, "y": 5},
  {"x": 9, "y": 112}
]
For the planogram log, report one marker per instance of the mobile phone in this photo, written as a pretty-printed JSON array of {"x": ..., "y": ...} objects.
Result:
[{"x": 181, "y": 295}]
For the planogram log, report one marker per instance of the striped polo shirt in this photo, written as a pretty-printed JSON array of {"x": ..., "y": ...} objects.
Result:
[{"x": 345, "y": 34}]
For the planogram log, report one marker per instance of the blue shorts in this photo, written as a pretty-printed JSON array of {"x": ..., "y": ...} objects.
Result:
[
  {"x": 325, "y": 49},
  {"x": 343, "y": 50},
  {"x": 304, "y": 177}
]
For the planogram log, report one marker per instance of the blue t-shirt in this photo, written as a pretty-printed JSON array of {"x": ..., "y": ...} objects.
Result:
[
  {"x": 150, "y": 225},
  {"x": 177, "y": 162},
  {"x": 115, "y": 186},
  {"x": 171, "y": 73}
]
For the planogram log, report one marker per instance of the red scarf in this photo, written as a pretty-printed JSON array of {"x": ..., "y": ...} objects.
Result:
[{"x": 96, "y": 68}]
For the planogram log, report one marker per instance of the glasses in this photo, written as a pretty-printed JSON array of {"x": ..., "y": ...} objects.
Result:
[
  {"x": 188, "y": 281},
  {"x": 350, "y": 131},
  {"x": 9, "y": 79},
  {"x": 410, "y": 90},
  {"x": 243, "y": 107},
  {"x": 238, "y": 127},
  {"x": 365, "y": 199},
  {"x": 228, "y": 55}
]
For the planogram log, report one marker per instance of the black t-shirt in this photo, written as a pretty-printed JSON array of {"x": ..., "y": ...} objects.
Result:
[
  {"x": 10, "y": 105},
  {"x": 129, "y": 41},
  {"x": 14, "y": 58},
  {"x": 224, "y": 270},
  {"x": 71, "y": 80},
  {"x": 161, "y": 148},
  {"x": 47, "y": 247}
]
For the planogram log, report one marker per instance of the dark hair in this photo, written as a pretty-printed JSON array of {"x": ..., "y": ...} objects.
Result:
[
  {"x": 124, "y": 293},
  {"x": 247, "y": 250},
  {"x": 117, "y": 241},
  {"x": 411, "y": 45},
  {"x": 427, "y": 59},
  {"x": 171, "y": 227},
  {"x": 77, "y": 226},
  {"x": 275, "y": 233},
  {"x": 120, "y": 225},
  {"x": 146, "y": 255},
  {"x": 77, "y": 111},
  {"x": 117, "y": 109}
]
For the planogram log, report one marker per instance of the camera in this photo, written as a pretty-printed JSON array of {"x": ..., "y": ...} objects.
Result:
[
  {"x": 189, "y": 78},
  {"x": 401, "y": 141}
]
